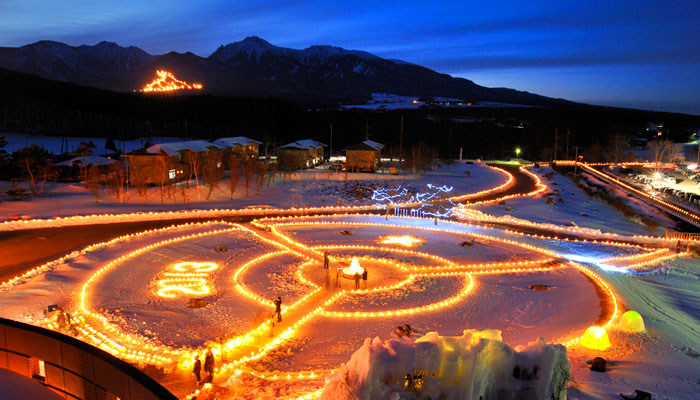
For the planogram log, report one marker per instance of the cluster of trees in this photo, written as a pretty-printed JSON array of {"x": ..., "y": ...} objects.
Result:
[
  {"x": 204, "y": 172},
  {"x": 33, "y": 105},
  {"x": 615, "y": 148},
  {"x": 35, "y": 165}
]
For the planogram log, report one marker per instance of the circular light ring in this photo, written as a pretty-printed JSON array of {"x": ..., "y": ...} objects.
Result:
[{"x": 274, "y": 229}]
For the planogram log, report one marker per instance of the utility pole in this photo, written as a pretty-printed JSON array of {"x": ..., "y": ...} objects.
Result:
[
  {"x": 697, "y": 139},
  {"x": 330, "y": 151},
  {"x": 576, "y": 162},
  {"x": 567, "y": 143},
  {"x": 401, "y": 141},
  {"x": 556, "y": 134}
]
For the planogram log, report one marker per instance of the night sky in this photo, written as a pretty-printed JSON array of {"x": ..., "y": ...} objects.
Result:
[{"x": 641, "y": 54}]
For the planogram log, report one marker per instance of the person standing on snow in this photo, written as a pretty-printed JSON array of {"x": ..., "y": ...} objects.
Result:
[
  {"x": 357, "y": 280},
  {"x": 326, "y": 260},
  {"x": 197, "y": 370},
  {"x": 209, "y": 363},
  {"x": 278, "y": 308},
  {"x": 337, "y": 277},
  {"x": 364, "y": 278}
]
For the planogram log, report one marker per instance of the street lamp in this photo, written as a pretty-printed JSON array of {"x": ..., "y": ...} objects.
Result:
[{"x": 517, "y": 152}]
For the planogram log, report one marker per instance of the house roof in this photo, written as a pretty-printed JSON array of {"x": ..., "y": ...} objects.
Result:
[
  {"x": 238, "y": 140},
  {"x": 373, "y": 144},
  {"x": 293, "y": 145},
  {"x": 311, "y": 144},
  {"x": 89, "y": 160},
  {"x": 175, "y": 148},
  {"x": 305, "y": 144}
]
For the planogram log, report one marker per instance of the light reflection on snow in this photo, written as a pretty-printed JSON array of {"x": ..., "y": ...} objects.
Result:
[{"x": 596, "y": 262}]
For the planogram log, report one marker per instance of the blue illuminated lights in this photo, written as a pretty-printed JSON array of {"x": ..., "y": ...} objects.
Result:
[{"x": 397, "y": 197}]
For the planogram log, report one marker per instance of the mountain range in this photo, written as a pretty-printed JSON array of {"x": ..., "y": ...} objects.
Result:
[{"x": 321, "y": 75}]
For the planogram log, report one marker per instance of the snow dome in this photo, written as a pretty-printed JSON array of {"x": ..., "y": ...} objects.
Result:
[
  {"x": 631, "y": 321},
  {"x": 596, "y": 338}
]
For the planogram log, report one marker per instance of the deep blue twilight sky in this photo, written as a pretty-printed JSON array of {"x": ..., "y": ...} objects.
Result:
[{"x": 636, "y": 53}]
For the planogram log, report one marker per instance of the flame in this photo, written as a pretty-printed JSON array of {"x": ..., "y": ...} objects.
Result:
[
  {"x": 353, "y": 268},
  {"x": 166, "y": 82},
  {"x": 404, "y": 240}
]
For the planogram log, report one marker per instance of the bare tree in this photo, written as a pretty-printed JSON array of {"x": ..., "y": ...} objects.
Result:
[
  {"x": 260, "y": 174},
  {"x": 594, "y": 152},
  {"x": 212, "y": 169},
  {"x": 3, "y": 153},
  {"x": 84, "y": 149},
  {"x": 664, "y": 151},
  {"x": 140, "y": 179},
  {"x": 35, "y": 162},
  {"x": 116, "y": 180},
  {"x": 546, "y": 153},
  {"x": 271, "y": 172},
  {"x": 234, "y": 165},
  {"x": 194, "y": 160},
  {"x": 162, "y": 167},
  {"x": 618, "y": 146},
  {"x": 419, "y": 158},
  {"x": 93, "y": 182},
  {"x": 248, "y": 167}
]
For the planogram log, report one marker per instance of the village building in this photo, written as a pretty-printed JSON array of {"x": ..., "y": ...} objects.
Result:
[
  {"x": 73, "y": 170},
  {"x": 165, "y": 161},
  {"x": 144, "y": 168},
  {"x": 305, "y": 153},
  {"x": 241, "y": 145},
  {"x": 179, "y": 150},
  {"x": 363, "y": 157}
]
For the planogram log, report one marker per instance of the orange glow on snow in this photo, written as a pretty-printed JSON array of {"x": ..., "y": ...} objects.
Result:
[
  {"x": 404, "y": 240},
  {"x": 166, "y": 82}
]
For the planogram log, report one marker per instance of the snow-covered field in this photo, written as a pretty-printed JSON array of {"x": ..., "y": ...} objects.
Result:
[
  {"x": 309, "y": 188},
  {"x": 573, "y": 205},
  {"x": 455, "y": 277}
]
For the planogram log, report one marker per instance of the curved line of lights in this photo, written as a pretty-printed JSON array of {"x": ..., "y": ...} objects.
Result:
[{"x": 135, "y": 349}]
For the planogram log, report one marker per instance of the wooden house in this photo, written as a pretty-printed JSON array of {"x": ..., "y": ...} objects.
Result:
[{"x": 364, "y": 156}]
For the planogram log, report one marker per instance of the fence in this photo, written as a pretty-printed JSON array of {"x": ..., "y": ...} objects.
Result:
[
  {"x": 408, "y": 212},
  {"x": 682, "y": 235},
  {"x": 72, "y": 369}
]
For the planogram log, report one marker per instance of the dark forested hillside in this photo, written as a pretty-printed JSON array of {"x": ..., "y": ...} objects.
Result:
[{"x": 29, "y": 104}]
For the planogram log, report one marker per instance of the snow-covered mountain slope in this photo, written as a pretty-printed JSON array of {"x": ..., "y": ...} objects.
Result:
[{"x": 254, "y": 67}]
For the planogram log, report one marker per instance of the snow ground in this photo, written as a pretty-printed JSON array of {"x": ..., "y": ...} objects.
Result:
[
  {"x": 574, "y": 202},
  {"x": 663, "y": 361},
  {"x": 127, "y": 293},
  {"x": 442, "y": 243},
  {"x": 308, "y": 188}
]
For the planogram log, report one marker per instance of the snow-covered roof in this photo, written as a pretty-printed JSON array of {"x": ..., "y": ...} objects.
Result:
[
  {"x": 306, "y": 144},
  {"x": 238, "y": 140},
  {"x": 311, "y": 144},
  {"x": 89, "y": 160},
  {"x": 373, "y": 144},
  {"x": 293, "y": 145},
  {"x": 175, "y": 148}
]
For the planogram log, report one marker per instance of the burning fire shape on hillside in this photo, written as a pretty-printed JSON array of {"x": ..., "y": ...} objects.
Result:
[{"x": 166, "y": 82}]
